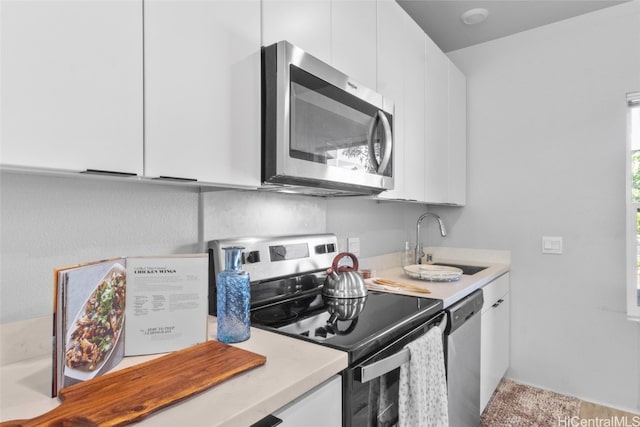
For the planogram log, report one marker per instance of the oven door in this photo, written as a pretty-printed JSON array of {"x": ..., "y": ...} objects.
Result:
[{"x": 370, "y": 388}]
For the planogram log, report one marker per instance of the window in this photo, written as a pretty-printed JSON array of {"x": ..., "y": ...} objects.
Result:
[{"x": 633, "y": 206}]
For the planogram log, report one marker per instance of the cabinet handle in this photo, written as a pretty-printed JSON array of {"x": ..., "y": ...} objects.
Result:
[
  {"x": 175, "y": 178},
  {"x": 500, "y": 301},
  {"x": 268, "y": 421},
  {"x": 109, "y": 173}
]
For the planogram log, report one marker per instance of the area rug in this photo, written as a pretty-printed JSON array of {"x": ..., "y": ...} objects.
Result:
[{"x": 519, "y": 405}]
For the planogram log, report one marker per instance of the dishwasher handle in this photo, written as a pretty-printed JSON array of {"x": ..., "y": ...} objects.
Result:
[{"x": 377, "y": 369}]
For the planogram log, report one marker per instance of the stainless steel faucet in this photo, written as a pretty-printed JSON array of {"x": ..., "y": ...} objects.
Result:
[{"x": 419, "y": 253}]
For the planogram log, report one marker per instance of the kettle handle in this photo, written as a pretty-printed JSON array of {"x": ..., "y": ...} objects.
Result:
[{"x": 344, "y": 268}]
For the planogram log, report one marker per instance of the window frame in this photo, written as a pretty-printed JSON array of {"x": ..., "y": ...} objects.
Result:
[{"x": 633, "y": 209}]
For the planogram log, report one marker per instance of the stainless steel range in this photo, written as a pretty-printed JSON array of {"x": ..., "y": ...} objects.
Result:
[{"x": 287, "y": 275}]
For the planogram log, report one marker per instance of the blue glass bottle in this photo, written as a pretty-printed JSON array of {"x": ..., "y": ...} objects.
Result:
[{"x": 233, "y": 299}]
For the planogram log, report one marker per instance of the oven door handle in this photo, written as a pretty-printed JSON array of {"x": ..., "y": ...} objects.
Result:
[{"x": 377, "y": 369}]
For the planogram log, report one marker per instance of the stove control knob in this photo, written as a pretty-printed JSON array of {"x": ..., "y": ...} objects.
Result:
[
  {"x": 325, "y": 249},
  {"x": 252, "y": 257}
]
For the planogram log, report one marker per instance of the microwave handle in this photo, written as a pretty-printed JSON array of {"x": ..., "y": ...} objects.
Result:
[
  {"x": 386, "y": 142},
  {"x": 377, "y": 369},
  {"x": 372, "y": 151}
]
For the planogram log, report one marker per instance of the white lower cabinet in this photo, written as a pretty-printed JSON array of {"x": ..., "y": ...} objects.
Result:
[
  {"x": 495, "y": 331},
  {"x": 320, "y": 407}
]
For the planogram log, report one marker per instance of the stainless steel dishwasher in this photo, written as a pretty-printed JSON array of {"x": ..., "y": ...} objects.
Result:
[{"x": 463, "y": 360}]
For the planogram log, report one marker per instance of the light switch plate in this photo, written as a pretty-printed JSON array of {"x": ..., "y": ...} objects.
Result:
[
  {"x": 342, "y": 244},
  {"x": 551, "y": 245}
]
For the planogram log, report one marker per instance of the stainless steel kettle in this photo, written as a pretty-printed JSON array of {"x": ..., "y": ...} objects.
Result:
[{"x": 344, "y": 281}]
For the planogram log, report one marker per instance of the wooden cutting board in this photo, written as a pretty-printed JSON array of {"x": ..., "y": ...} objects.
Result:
[{"x": 122, "y": 397}]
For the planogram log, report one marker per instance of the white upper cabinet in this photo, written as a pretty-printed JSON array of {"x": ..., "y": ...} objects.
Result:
[
  {"x": 72, "y": 85},
  {"x": 341, "y": 33},
  {"x": 430, "y": 117},
  {"x": 171, "y": 88},
  {"x": 202, "y": 91},
  {"x": 391, "y": 55},
  {"x": 303, "y": 23},
  {"x": 436, "y": 160},
  {"x": 353, "y": 39},
  {"x": 457, "y": 136},
  {"x": 414, "y": 108},
  {"x": 445, "y": 129}
]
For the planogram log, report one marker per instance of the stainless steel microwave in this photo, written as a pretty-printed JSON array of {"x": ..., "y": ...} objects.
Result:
[{"x": 322, "y": 132}]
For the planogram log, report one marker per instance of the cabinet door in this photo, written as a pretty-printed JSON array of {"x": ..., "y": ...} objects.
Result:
[
  {"x": 495, "y": 338},
  {"x": 436, "y": 158},
  {"x": 414, "y": 92},
  {"x": 72, "y": 85},
  {"x": 390, "y": 81},
  {"x": 321, "y": 407},
  {"x": 457, "y": 136},
  {"x": 202, "y": 90},
  {"x": 304, "y": 23},
  {"x": 353, "y": 39}
]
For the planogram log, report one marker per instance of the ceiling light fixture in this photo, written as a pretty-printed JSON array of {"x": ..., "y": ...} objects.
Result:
[{"x": 474, "y": 16}]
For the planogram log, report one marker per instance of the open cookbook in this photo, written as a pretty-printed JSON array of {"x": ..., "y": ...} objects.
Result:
[{"x": 106, "y": 310}]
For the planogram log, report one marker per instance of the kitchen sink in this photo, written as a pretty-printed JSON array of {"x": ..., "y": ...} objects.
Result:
[{"x": 466, "y": 269}]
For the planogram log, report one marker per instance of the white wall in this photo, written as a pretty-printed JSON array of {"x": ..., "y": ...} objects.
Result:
[
  {"x": 52, "y": 221},
  {"x": 382, "y": 226},
  {"x": 251, "y": 213},
  {"x": 547, "y": 129},
  {"x": 48, "y": 222}
]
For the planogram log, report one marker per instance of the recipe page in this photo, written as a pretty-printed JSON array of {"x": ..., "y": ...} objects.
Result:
[{"x": 167, "y": 303}]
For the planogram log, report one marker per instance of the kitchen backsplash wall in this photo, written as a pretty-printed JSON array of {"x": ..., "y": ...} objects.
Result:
[
  {"x": 52, "y": 221},
  {"x": 381, "y": 226},
  {"x": 259, "y": 213}
]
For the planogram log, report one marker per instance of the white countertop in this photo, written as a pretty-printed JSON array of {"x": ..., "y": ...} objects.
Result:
[
  {"x": 293, "y": 367},
  {"x": 448, "y": 292}
]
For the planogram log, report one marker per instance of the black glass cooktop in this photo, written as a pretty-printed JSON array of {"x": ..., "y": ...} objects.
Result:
[{"x": 358, "y": 326}]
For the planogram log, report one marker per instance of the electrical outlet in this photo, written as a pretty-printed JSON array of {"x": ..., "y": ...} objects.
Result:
[{"x": 353, "y": 245}]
